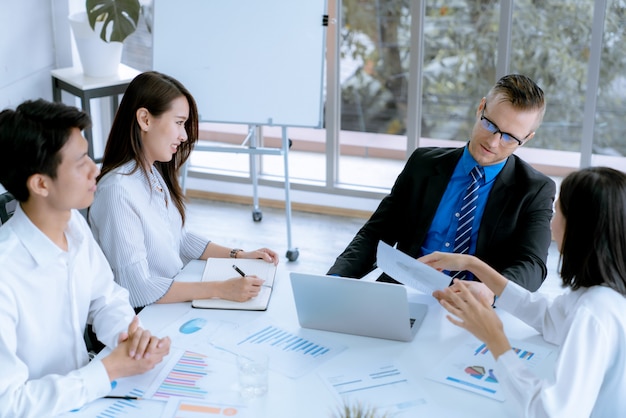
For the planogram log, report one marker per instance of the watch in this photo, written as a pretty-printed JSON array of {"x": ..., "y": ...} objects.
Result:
[{"x": 234, "y": 251}]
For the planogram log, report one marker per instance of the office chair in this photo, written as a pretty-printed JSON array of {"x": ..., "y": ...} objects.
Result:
[{"x": 7, "y": 206}]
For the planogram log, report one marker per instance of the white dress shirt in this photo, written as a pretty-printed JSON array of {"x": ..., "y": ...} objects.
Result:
[
  {"x": 141, "y": 233},
  {"x": 589, "y": 325},
  {"x": 47, "y": 296}
]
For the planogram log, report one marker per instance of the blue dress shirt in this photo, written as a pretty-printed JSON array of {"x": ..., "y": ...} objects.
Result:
[{"x": 440, "y": 236}]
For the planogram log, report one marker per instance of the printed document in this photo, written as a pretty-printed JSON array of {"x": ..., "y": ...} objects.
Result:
[{"x": 407, "y": 270}]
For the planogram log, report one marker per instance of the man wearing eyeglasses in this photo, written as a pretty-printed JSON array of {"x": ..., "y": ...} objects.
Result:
[{"x": 480, "y": 199}]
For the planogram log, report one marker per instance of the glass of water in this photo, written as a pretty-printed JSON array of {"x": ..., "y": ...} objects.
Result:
[{"x": 253, "y": 373}]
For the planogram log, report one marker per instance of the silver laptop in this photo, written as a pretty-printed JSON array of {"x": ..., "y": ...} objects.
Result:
[{"x": 350, "y": 306}]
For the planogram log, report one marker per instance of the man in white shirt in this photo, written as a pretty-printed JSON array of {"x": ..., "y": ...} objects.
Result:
[{"x": 54, "y": 278}]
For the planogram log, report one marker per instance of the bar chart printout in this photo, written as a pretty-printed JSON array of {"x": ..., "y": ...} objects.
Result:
[
  {"x": 471, "y": 367},
  {"x": 123, "y": 408},
  {"x": 186, "y": 375},
  {"x": 384, "y": 387},
  {"x": 293, "y": 353}
]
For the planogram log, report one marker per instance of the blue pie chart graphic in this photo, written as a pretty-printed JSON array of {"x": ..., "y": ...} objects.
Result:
[{"x": 192, "y": 325}]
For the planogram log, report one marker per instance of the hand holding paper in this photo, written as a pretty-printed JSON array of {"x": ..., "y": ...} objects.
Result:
[{"x": 409, "y": 271}]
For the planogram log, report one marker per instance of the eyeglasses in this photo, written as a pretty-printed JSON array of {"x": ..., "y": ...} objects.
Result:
[{"x": 506, "y": 139}]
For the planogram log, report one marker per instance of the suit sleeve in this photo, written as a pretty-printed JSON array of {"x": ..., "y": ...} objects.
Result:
[
  {"x": 532, "y": 238},
  {"x": 386, "y": 223}
]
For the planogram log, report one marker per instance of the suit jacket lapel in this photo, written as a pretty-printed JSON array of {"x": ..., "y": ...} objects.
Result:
[
  {"x": 497, "y": 201},
  {"x": 436, "y": 177}
]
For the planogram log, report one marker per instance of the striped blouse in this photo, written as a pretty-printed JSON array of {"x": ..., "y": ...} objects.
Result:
[{"x": 140, "y": 232}]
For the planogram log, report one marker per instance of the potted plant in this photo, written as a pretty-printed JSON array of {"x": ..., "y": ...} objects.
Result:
[
  {"x": 121, "y": 16},
  {"x": 100, "y": 31}
]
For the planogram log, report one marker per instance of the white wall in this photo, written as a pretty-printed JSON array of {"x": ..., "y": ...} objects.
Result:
[
  {"x": 27, "y": 48},
  {"x": 31, "y": 44},
  {"x": 35, "y": 38}
]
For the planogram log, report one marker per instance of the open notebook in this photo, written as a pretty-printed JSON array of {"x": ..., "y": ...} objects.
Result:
[{"x": 220, "y": 269}]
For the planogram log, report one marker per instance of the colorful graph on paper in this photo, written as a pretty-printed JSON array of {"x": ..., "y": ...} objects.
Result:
[
  {"x": 521, "y": 353},
  {"x": 284, "y": 340},
  {"x": 194, "y": 331},
  {"x": 293, "y": 353},
  {"x": 119, "y": 408},
  {"x": 471, "y": 367},
  {"x": 186, "y": 408},
  {"x": 385, "y": 386},
  {"x": 122, "y": 407},
  {"x": 187, "y": 377}
]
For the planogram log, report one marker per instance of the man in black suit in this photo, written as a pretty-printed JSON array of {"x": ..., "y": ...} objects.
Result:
[{"x": 511, "y": 226}]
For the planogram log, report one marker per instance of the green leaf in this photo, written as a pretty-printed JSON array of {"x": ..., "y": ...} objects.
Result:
[{"x": 121, "y": 15}]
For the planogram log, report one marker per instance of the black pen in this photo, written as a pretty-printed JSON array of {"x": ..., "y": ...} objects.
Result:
[
  {"x": 238, "y": 270},
  {"x": 131, "y": 398}
]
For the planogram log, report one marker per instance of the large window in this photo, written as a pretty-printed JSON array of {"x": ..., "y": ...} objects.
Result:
[
  {"x": 374, "y": 51},
  {"x": 465, "y": 45},
  {"x": 552, "y": 47},
  {"x": 459, "y": 67},
  {"x": 609, "y": 138}
]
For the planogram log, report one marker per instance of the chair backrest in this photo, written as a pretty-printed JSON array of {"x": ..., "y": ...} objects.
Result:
[{"x": 7, "y": 206}]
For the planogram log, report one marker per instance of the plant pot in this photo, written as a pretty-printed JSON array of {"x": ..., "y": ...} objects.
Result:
[{"x": 98, "y": 58}]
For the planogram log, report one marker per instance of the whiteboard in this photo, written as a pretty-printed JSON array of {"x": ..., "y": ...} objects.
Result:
[{"x": 245, "y": 61}]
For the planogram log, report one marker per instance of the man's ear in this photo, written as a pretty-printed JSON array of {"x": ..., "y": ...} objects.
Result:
[
  {"x": 481, "y": 106},
  {"x": 143, "y": 118},
  {"x": 528, "y": 138},
  {"x": 38, "y": 185}
]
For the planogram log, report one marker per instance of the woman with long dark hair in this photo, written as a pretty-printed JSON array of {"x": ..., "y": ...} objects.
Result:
[
  {"x": 587, "y": 322},
  {"x": 138, "y": 214}
]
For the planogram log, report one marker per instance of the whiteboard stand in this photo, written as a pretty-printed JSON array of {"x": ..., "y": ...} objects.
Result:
[
  {"x": 250, "y": 146},
  {"x": 212, "y": 53}
]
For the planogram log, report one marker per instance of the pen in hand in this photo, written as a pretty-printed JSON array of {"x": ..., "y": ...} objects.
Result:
[{"x": 238, "y": 270}]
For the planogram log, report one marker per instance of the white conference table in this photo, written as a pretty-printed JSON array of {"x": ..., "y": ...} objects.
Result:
[{"x": 309, "y": 395}]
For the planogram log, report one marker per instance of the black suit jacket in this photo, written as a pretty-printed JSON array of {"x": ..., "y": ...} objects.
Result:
[{"x": 514, "y": 233}]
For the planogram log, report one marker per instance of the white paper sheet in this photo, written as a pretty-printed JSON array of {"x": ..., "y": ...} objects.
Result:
[
  {"x": 384, "y": 387},
  {"x": 113, "y": 408},
  {"x": 471, "y": 366},
  {"x": 408, "y": 271},
  {"x": 188, "y": 408},
  {"x": 292, "y": 352}
]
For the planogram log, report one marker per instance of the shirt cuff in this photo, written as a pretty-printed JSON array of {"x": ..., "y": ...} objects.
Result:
[
  {"x": 508, "y": 357},
  {"x": 96, "y": 380},
  {"x": 511, "y": 296}
]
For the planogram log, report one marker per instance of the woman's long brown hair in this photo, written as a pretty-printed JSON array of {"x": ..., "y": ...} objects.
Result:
[{"x": 155, "y": 92}]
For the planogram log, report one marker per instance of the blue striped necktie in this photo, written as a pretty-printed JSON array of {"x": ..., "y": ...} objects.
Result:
[{"x": 463, "y": 237}]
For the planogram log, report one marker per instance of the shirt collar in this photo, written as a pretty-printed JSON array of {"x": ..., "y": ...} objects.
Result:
[
  {"x": 40, "y": 247},
  {"x": 468, "y": 162}
]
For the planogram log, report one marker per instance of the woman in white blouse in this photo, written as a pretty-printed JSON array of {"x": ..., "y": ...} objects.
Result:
[
  {"x": 588, "y": 322},
  {"x": 138, "y": 215}
]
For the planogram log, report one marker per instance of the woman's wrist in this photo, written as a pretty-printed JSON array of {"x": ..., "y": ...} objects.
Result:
[
  {"x": 499, "y": 345},
  {"x": 234, "y": 252}
]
